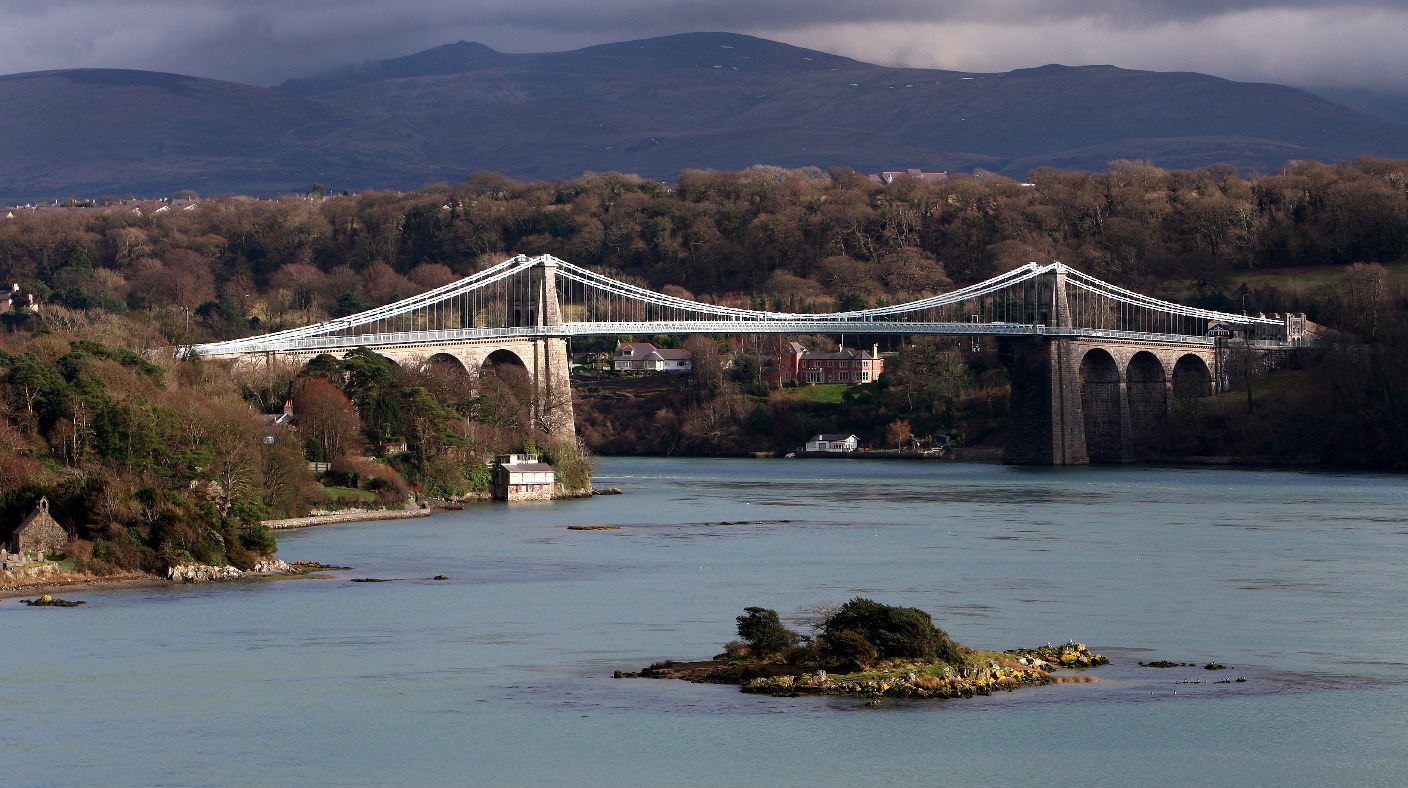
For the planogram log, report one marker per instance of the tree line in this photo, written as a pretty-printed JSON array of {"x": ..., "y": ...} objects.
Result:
[{"x": 787, "y": 239}]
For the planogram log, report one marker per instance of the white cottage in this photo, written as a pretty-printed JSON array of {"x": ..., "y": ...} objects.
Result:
[
  {"x": 521, "y": 477},
  {"x": 833, "y": 441}
]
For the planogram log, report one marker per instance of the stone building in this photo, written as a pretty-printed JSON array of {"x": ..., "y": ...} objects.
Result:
[
  {"x": 39, "y": 532},
  {"x": 520, "y": 477}
]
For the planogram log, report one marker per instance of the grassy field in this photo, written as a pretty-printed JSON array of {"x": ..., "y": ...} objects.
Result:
[
  {"x": 349, "y": 493},
  {"x": 1305, "y": 278},
  {"x": 830, "y": 393}
]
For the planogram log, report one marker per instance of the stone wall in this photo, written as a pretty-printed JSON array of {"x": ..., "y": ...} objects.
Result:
[
  {"x": 346, "y": 517},
  {"x": 529, "y": 492}
]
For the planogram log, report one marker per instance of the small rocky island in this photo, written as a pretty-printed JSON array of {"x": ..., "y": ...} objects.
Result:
[{"x": 868, "y": 649}]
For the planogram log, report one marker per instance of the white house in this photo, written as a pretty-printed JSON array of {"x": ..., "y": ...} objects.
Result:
[
  {"x": 833, "y": 441},
  {"x": 645, "y": 356},
  {"x": 668, "y": 360}
]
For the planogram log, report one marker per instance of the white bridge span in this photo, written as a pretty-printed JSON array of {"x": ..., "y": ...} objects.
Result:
[
  {"x": 525, "y": 298},
  {"x": 1095, "y": 368}
]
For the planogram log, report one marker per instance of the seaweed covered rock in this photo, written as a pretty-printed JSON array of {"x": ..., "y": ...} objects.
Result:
[
  {"x": 1068, "y": 655},
  {"x": 920, "y": 682},
  {"x": 51, "y": 601}
]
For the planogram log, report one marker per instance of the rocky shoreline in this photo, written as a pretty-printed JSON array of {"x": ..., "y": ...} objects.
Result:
[
  {"x": 204, "y": 573},
  {"x": 71, "y": 581},
  {"x": 982, "y": 674},
  {"x": 269, "y": 568}
]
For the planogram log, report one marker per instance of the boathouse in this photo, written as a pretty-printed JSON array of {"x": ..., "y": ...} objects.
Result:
[
  {"x": 521, "y": 477},
  {"x": 833, "y": 442}
]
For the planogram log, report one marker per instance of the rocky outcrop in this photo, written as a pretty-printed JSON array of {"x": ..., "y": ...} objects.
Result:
[
  {"x": 202, "y": 573},
  {"x": 51, "y": 601}
]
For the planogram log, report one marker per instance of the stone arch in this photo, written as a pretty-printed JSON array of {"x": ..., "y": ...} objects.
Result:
[
  {"x": 1147, "y": 388},
  {"x": 502, "y": 361},
  {"x": 1101, "y": 401},
  {"x": 446, "y": 362},
  {"x": 1191, "y": 378}
]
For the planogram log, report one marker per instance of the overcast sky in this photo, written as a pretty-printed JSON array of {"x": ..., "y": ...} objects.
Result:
[{"x": 1317, "y": 44}]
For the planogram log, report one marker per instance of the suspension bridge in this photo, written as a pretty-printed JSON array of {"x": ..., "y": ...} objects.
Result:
[{"x": 1096, "y": 367}]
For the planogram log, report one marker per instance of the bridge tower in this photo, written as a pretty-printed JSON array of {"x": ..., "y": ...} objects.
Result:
[
  {"x": 1046, "y": 422},
  {"x": 551, "y": 368}
]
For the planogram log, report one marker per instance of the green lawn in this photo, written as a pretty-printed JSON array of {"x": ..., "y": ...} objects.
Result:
[
  {"x": 829, "y": 393},
  {"x": 349, "y": 492},
  {"x": 1311, "y": 276}
]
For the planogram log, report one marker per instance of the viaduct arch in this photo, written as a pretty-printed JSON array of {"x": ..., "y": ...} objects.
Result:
[{"x": 1078, "y": 401}]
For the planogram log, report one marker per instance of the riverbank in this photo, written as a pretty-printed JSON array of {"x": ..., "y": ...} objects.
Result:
[
  {"x": 76, "y": 581},
  {"x": 266, "y": 569}
]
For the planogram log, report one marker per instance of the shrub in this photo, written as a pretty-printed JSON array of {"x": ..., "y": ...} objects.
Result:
[
  {"x": 895, "y": 632},
  {"x": 258, "y": 538},
  {"x": 850, "y": 648},
  {"x": 764, "y": 633}
]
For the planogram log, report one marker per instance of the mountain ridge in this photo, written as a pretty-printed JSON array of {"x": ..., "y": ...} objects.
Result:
[{"x": 654, "y": 107}]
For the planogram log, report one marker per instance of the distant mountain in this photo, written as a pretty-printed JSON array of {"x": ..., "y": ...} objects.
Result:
[
  {"x": 1392, "y": 107},
  {"x": 653, "y": 107}
]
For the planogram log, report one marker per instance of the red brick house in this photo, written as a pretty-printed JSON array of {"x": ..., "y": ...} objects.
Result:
[
  {"x": 779, "y": 370},
  {"x": 840, "y": 366}
]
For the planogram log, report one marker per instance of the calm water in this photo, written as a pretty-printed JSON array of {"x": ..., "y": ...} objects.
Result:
[{"x": 501, "y": 675}]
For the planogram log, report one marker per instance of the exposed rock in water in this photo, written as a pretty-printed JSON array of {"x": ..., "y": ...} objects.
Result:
[
  {"x": 374, "y": 579},
  {"x": 316, "y": 566},
  {"x": 1067, "y": 655},
  {"x": 51, "y": 601},
  {"x": 593, "y": 527}
]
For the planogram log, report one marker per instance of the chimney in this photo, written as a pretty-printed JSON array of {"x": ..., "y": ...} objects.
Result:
[
  {"x": 288, "y": 407},
  {"x": 875, "y": 350}
]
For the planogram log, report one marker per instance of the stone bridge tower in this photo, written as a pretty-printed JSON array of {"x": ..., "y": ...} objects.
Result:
[
  {"x": 1045, "y": 422},
  {"x": 551, "y": 366}
]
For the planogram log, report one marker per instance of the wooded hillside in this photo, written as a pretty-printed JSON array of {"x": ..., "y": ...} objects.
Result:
[{"x": 97, "y": 414}]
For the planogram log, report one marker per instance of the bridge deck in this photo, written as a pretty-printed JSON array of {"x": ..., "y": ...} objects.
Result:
[{"x": 431, "y": 339}]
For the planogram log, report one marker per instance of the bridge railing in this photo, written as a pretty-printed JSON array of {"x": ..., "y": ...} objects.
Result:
[{"x": 430, "y": 339}]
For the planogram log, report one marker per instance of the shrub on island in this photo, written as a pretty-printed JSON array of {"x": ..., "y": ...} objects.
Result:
[{"x": 863, "y": 631}]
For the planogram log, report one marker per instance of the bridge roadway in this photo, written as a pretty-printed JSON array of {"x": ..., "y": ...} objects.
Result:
[{"x": 434, "y": 341}]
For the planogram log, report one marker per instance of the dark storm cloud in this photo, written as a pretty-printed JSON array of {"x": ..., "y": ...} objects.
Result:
[{"x": 265, "y": 41}]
